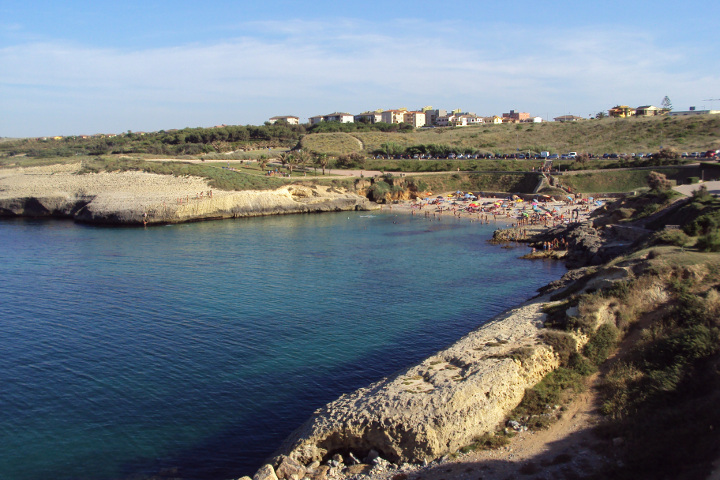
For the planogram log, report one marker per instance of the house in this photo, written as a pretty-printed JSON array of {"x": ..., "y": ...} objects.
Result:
[
  {"x": 316, "y": 119},
  {"x": 431, "y": 115},
  {"x": 369, "y": 117},
  {"x": 475, "y": 120},
  {"x": 621, "y": 111},
  {"x": 567, "y": 118},
  {"x": 515, "y": 117},
  {"x": 339, "y": 117},
  {"x": 416, "y": 119},
  {"x": 495, "y": 120},
  {"x": 394, "y": 116},
  {"x": 536, "y": 119},
  {"x": 648, "y": 111},
  {"x": 287, "y": 118}
]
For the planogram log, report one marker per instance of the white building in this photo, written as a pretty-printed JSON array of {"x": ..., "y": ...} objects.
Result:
[{"x": 289, "y": 119}]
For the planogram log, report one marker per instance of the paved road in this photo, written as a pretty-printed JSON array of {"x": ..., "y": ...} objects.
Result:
[{"x": 713, "y": 188}]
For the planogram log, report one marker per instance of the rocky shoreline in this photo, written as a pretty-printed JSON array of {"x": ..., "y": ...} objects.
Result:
[
  {"x": 138, "y": 198},
  {"x": 412, "y": 420}
]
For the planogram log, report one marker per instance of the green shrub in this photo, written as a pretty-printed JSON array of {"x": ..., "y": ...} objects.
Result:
[
  {"x": 709, "y": 242},
  {"x": 488, "y": 441},
  {"x": 672, "y": 237},
  {"x": 581, "y": 365},
  {"x": 601, "y": 343},
  {"x": 551, "y": 390},
  {"x": 563, "y": 344}
]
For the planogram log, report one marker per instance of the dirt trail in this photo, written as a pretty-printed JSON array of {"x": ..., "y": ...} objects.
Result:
[{"x": 567, "y": 450}]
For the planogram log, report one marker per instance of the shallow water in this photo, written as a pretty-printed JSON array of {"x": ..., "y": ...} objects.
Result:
[{"x": 197, "y": 348}]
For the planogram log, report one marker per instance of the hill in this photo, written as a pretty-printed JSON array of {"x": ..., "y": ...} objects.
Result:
[{"x": 609, "y": 135}]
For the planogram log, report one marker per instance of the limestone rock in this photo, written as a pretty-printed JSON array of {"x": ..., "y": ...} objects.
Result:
[
  {"x": 266, "y": 472},
  {"x": 439, "y": 405},
  {"x": 134, "y": 198},
  {"x": 288, "y": 467}
]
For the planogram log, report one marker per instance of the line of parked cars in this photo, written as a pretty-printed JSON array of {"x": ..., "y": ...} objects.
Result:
[
  {"x": 539, "y": 156},
  {"x": 707, "y": 154}
]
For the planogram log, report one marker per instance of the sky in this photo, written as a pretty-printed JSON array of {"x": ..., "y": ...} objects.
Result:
[{"x": 86, "y": 67}]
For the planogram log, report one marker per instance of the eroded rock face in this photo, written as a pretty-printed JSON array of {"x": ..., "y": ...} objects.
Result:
[
  {"x": 438, "y": 406},
  {"x": 135, "y": 198}
]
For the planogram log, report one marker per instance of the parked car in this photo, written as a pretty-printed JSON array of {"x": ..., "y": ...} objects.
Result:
[
  {"x": 554, "y": 156},
  {"x": 685, "y": 155}
]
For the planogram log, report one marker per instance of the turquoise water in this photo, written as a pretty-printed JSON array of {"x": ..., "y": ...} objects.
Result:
[{"x": 196, "y": 349}]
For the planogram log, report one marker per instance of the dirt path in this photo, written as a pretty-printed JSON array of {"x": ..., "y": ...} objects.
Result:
[{"x": 567, "y": 450}]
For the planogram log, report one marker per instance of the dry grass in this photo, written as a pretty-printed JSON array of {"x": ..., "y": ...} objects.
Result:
[
  {"x": 597, "y": 136},
  {"x": 331, "y": 143}
]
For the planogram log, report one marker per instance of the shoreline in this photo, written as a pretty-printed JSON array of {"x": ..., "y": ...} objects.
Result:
[
  {"x": 413, "y": 419},
  {"x": 136, "y": 198}
]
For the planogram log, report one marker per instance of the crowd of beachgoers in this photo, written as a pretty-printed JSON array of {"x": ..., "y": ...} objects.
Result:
[{"x": 539, "y": 212}]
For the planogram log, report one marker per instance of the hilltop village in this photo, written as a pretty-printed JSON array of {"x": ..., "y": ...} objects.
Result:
[{"x": 432, "y": 117}]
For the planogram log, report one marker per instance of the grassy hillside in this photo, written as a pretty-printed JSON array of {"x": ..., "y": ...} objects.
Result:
[{"x": 607, "y": 135}]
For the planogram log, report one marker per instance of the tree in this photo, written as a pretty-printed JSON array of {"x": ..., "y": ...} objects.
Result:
[
  {"x": 322, "y": 160},
  {"x": 302, "y": 157},
  {"x": 666, "y": 104},
  {"x": 263, "y": 161},
  {"x": 600, "y": 115},
  {"x": 582, "y": 159},
  {"x": 284, "y": 157},
  {"x": 658, "y": 182}
]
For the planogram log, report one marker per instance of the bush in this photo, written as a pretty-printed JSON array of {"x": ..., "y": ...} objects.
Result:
[
  {"x": 709, "y": 242},
  {"x": 601, "y": 344},
  {"x": 550, "y": 391},
  {"x": 563, "y": 344},
  {"x": 673, "y": 237},
  {"x": 658, "y": 182}
]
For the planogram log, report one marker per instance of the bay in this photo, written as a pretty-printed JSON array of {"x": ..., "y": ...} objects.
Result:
[{"x": 195, "y": 349}]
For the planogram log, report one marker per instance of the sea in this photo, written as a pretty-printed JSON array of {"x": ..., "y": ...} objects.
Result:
[{"x": 191, "y": 351}]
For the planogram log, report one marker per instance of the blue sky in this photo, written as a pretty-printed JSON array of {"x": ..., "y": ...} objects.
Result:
[{"x": 81, "y": 67}]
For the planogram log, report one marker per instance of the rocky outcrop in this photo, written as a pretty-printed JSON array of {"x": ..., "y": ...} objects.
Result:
[
  {"x": 134, "y": 198},
  {"x": 438, "y": 406}
]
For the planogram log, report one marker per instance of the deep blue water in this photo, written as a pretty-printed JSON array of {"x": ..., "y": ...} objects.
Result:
[{"x": 198, "y": 348}]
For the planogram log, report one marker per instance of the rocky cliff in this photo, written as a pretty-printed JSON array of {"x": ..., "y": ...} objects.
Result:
[
  {"x": 438, "y": 406},
  {"x": 134, "y": 198}
]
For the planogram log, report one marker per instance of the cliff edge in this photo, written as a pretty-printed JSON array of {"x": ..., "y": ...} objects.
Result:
[
  {"x": 134, "y": 198},
  {"x": 439, "y": 405}
]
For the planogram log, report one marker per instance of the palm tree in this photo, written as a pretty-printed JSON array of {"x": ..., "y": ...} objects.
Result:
[
  {"x": 322, "y": 160},
  {"x": 292, "y": 160},
  {"x": 302, "y": 157},
  {"x": 263, "y": 161},
  {"x": 284, "y": 158}
]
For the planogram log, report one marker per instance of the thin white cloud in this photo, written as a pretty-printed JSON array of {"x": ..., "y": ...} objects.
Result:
[{"x": 306, "y": 68}]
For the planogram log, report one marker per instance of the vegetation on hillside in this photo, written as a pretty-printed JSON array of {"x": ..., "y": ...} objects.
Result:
[
  {"x": 654, "y": 338},
  {"x": 187, "y": 141},
  {"x": 218, "y": 177}
]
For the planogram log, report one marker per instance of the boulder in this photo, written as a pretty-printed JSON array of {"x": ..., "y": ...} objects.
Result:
[
  {"x": 288, "y": 466},
  {"x": 266, "y": 472}
]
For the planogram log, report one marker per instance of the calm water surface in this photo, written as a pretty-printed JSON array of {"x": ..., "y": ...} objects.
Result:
[{"x": 196, "y": 349}]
